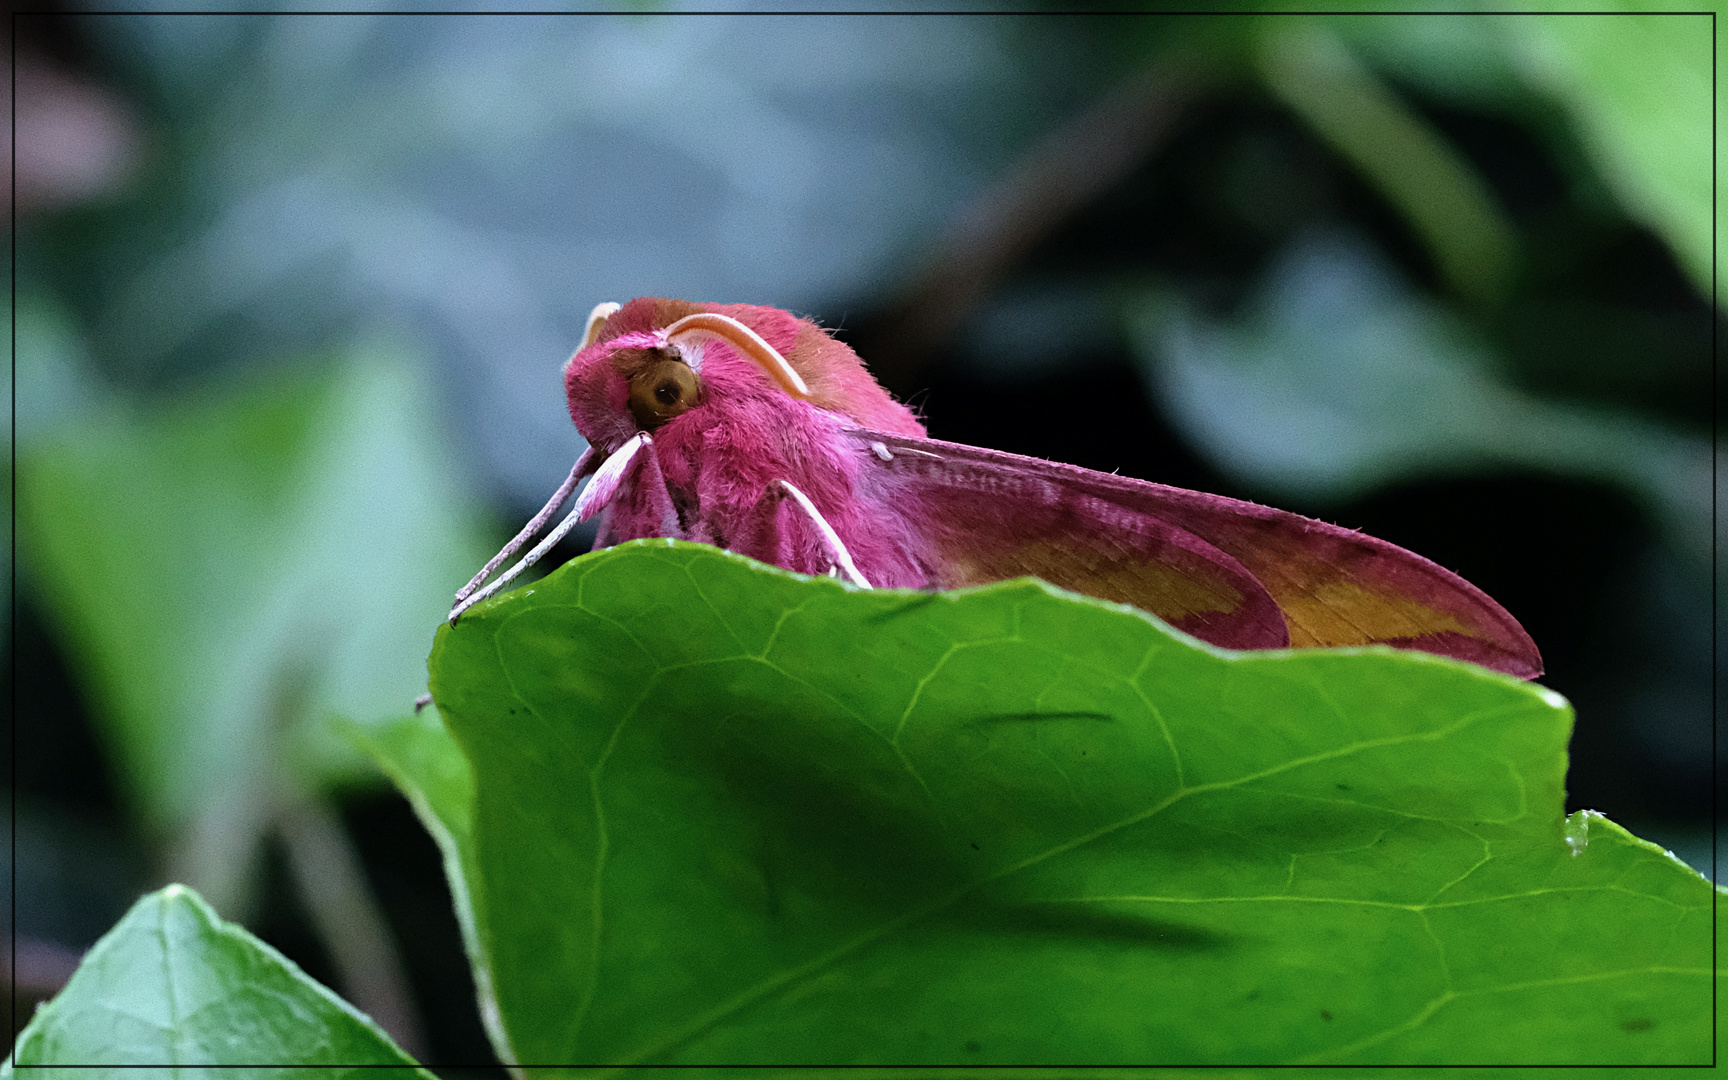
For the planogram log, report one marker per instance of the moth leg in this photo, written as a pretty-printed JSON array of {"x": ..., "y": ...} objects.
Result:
[
  {"x": 584, "y": 465},
  {"x": 643, "y": 506},
  {"x": 596, "y": 495},
  {"x": 830, "y": 539}
]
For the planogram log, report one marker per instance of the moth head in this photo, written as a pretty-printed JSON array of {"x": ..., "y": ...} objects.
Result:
[{"x": 631, "y": 379}]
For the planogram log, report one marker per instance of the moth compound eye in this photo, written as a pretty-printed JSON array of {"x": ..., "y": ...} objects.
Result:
[{"x": 662, "y": 390}]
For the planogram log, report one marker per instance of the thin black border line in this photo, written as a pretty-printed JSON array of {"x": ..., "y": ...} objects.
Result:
[
  {"x": 904, "y": 1068},
  {"x": 1715, "y": 540},
  {"x": 12, "y": 607},
  {"x": 854, "y": 12},
  {"x": 1715, "y": 607}
]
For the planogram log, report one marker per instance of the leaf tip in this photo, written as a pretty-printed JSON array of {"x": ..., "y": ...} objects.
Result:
[{"x": 1552, "y": 699}]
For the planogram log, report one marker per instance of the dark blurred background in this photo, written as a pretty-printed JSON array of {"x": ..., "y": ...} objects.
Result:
[{"x": 292, "y": 293}]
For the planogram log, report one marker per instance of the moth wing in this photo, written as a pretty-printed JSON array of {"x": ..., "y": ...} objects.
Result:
[
  {"x": 997, "y": 515},
  {"x": 975, "y": 517}
]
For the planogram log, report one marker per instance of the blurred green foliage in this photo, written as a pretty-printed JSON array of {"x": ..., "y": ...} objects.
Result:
[
  {"x": 1337, "y": 378},
  {"x": 1638, "y": 90},
  {"x": 1380, "y": 403},
  {"x": 1431, "y": 183},
  {"x": 1633, "y": 81},
  {"x": 238, "y": 566},
  {"x": 174, "y": 986}
]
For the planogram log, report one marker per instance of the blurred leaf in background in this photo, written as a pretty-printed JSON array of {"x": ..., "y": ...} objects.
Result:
[
  {"x": 233, "y": 568},
  {"x": 238, "y": 568},
  {"x": 1337, "y": 378},
  {"x": 1631, "y": 82},
  {"x": 488, "y": 179},
  {"x": 1433, "y": 185},
  {"x": 1638, "y": 91}
]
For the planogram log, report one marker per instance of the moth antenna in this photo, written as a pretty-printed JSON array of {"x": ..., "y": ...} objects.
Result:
[
  {"x": 583, "y": 465},
  {"x": 571, "y": 520},
  {"x": 709, "y": 325},
  {"x": 596, "y": 320},
  {"x": 836, "y": 549},
  {"x": 594, "y": 497}
]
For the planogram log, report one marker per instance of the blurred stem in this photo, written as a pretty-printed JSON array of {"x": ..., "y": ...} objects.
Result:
[
  {"x": 1091, "y": 153},
  {"x": 331, "y": 883},
  {"x": 217, "y": 853},
  {"x": 1399, "y": 152}
]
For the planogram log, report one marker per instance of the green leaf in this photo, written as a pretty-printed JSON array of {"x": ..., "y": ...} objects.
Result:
[
  {"x": 1338, "y": 377},
  {"x": 1450, "y": 206},
  {"x": 1637, "y": 85},
  {"x": 418, "y": 754},
  {"x": 174, "y": 986},
  {"x": 233, "y": 570},
  {"x": 1632, "y": 78},
  {"x": 727, "y": 814}
]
